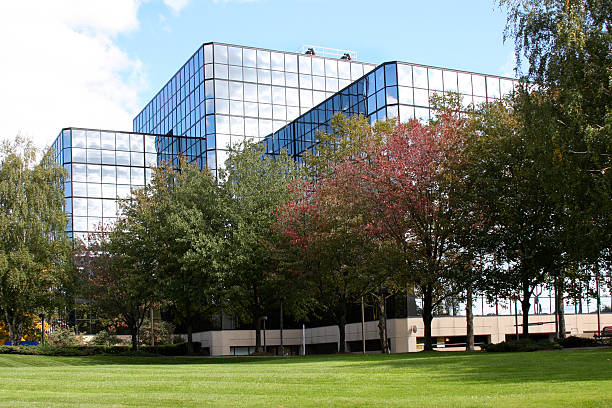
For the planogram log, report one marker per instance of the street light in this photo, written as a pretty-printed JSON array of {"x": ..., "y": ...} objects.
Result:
[{"x": 282, "y": 348}]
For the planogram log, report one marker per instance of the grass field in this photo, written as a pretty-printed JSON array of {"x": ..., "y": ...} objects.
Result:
[{"x": 579, "y": 378}]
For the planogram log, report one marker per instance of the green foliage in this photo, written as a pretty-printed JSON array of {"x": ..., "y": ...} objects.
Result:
[
  {"x": 104, "y": 338},
  {"x": 64, "y": 337},
  {"x": 34, "y": 249},
  {"x": 575, "y": 341},
  {"x": 521, "y": 345},
  {"x": 162, "y": 331}
]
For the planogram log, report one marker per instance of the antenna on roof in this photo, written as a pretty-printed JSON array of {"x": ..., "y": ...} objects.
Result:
[{"x": 326, "y": 52}]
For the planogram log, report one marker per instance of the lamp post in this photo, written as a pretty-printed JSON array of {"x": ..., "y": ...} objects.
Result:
[
  {"x": 282, "y": 347},
  {"x": 42, "y": 328}
]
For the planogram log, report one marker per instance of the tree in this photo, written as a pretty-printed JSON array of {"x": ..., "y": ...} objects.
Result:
[
  {"x": 34, "y": 248},
  {"x": 183, "y": 219},
  {"x": 119, "y": 275},
  {"x": 256, "y": 185}
]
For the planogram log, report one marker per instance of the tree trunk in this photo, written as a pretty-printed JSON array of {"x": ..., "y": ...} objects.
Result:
[
  {"x": 525, "y": 305},
  {"x": 382, "y": 324},
  {"x": 256, "y": 319},
  {"x": 189, "y": 337},
  {"x": 427, "y": 318},
  {"x": 134, "y": 334},
  {"x": 342, "y": 327},
  {"x": 469, "y": 319},
  {"x": 559, "y": 306}
]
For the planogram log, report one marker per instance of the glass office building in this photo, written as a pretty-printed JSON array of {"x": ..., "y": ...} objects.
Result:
[
  {"x": 392, "y": 90},
  {"x": 226, "y": 93},
  {"x": 103, "y": 166}
]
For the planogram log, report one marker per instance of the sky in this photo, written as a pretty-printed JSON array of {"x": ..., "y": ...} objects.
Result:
[{"x": 96, "y": 63}]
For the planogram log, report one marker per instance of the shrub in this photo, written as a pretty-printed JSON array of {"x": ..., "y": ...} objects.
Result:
[
  {"x": 104, "y": 338},
  {"x": 162, "y": 330},
  {"x": 64, "y": 337},
  {"x": 521, "y": 345},
  {"x": 575, "y": 341},
  {"x": 179, "y": 349}
]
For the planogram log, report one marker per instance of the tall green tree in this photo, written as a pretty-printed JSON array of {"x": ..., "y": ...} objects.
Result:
[
  {"x": 34, "y": 248},
  {"x": 256, "y": 184}
]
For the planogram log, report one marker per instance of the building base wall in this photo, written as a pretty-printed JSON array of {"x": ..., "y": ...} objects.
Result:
[{"x": 404, "y": 334}]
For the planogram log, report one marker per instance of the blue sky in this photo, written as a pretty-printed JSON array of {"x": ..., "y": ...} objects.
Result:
[{"x": 95, "y": 63}]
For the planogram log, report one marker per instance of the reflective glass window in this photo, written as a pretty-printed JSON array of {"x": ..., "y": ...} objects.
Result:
[
  {"x": 435, "y": 79},
  {"x": 278, "y": 61},
  {"x": 291, "y": 79},
  {"x": 506, "y": 87},
  {"x": 235, "y": 55},
  {"x": 150, "y": 159},
  {"x": 221, "y": 125},
  {"x": 150, "y": 144},
  {"x": 450, "y": 81},
  {"x": 209, "y": 90},
  {"x": 94, "y": 173},
  {"x": 292, "y": 97},
  {"x": 66, "y": 138},
  {"x": 318, "y": 66},
  {"x": 208, "y": 71},
  {"x": 136, "y": 143},
  {"x": 391, "y": 94},
  {"x": 249, "y": 58},
  {"x": 419, "y": 75},
  {"x": 263, "y": 59},
  {"x": 318, "y": 97},
  {"x": 406, "y": 113},
  {"x": 109, "y": 174},
  {"x": 331, "y": 68},
  {"x": 251, "y": 127},
  {"x": 79, "y": 172},
  {"x": 305, "y": 81},
  {"x": 123, "y": 141},
  {"x": 251, "y": 109},
  {"x": 404, "y": 75},
  {"x": 318, "y": 83},
  {"x": 79, "y": 207},
  {"x": 390, "y": 75},
  {"x": 265, "y": 93},
  {"x": 93, "y": 139},
  {"x": 221, "y": 89},
  {"x": 493, "y": 87},
  {"x": 421, "y": 97},
  {"x": 466, "y": 101},
  {"x": 265, "y": 127},
  {"x": 264, "y": 76},
  {"x": 291, "y": 63},
  {"x": 278, "y": 95},
  {"x": 421, "y": 114},
  {"x": 405, "y": 95},
  {"x": 94, "y": 156},
  {"x": 94, "y": 190},
  {"x": 250, "y": 74},
  {"x": 479, "y": 100},
  {"x": 137, "y": 158},
  {"x": 78, "y": 138},
  {"x": 371, "y": 84},
  {"x": 380, "y": 78},
  {"x": 220, "y": 54},
  {"x": 344, "y": 69},
  {"x": 137, "y": 175},
  {"x": 235, "y": 90},
  {"x": 278, "y": 78},
  {"x": 478, "y": 82},
  {"x": 109, "y": 191},
  {"x": 107, "y": 140},
  {"x": 208, "y": 53},
  {"x": 79, "y": 223},
  {"x": 123, "y": 191},
  {"x": 235, "y": 73},
  {"x": 79, "y": 189},
  {"x": 356, "y": 71},
  {"x": 109, "y": 208},
  {"x": 331, "y": 84},
  {"x": 123, "y": 175},
  {"x": 465, "y": 83},
  {"x": 122, "y": 158},
  {"x": 237, "y": 108},
  {"x": 305, "y": 64},
  {"x": 265, "y": 110},
  {"x": 94, "y": 207},
  {"x": 221, "y": 71},
  {"x": 305, "y": 98},
  {"x": 237, "y": 125},
  {"x": 279, "y": 112}
]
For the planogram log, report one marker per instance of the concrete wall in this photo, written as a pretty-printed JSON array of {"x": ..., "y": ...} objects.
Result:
[{"x": 402, "y": 332}]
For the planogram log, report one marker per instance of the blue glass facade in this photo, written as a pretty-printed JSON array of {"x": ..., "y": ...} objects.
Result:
[
  {"x": 392, "y": 90},
  {"x": 226, "y": 93},
  {"x": 103, "y": 166}
]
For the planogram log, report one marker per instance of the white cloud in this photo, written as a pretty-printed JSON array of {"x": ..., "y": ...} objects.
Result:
[
  {"x": 176, "y": 5},
  {"x": 62, "y": 67}
]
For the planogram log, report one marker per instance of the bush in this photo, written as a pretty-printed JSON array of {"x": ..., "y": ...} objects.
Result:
[
  {"x": 179, "y": 349},
  {"x": 162, "y": 330},
  {"x": 64, "y": 337},
  {"x": 104, "y": 338},
  {"x": 521, "y": 345},
  {"x": 575, "y": 341}
]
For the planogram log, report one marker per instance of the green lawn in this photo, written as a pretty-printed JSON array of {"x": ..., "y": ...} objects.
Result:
[{"x": 580, "y": 378}]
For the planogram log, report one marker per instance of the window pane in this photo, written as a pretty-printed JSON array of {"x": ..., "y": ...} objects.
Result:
[
  {"x": 344, "y": 69},
  {"x": 318, "y": 66},
  {"x": 305, "y": 64},
  {"x": 404, "y": 74},
  {"x": 493, "y": 87},
  {"x": 220, "y": 54},
  {"x": 478, "y": 82},
  {"x": 278, "y": 61},
  {"x": 291, "y": 63},
  {"x": 465, "y": 83},
  {"x": 235, "y": 55},
  {"x": 331, "y": 68},
  {"x": 263, "y": 59},
  {"x": 123, "y": 141},
  {"x": 249, "y": 58},
  {"x": 221, "y": 89},
  {"x": 450, "y": 81},
  {"x": 420, "y": 77},
  {"x": 93, "y": 139},
  {"x": 435, "y": 79},
  {"x": 107, "y": 140}
]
